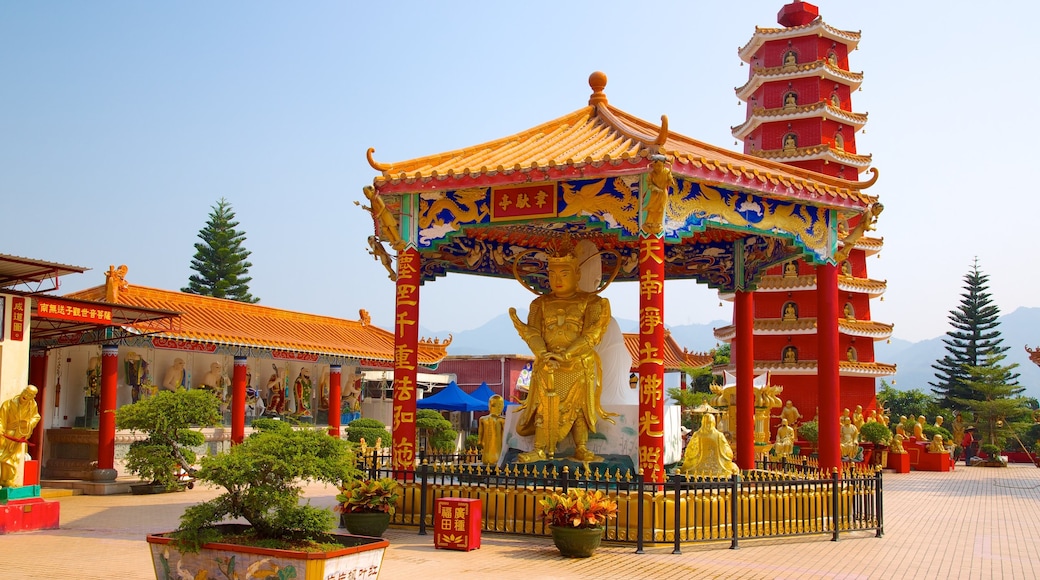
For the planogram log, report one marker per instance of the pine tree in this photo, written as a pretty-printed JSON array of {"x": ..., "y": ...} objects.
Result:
[
  {"x": 220, "y": 259},
  {"x": 974, "y": 342}
]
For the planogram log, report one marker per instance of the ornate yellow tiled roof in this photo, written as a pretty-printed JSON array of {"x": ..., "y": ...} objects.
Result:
[
  {"x": 850, "y": 326},
  {"x": 820, "y": 68},
  {"x": 600, "y": 139},
  {"x": 845, "y": 368},
  {"x": 808, "y": 282},
  {"x": 822, "y": 109},
  {"x": 817, "y": 27},
  {"x": 822, "y": 151},
  {"x": 675, "y": 358},
  {"x": 227, "y": 322}
]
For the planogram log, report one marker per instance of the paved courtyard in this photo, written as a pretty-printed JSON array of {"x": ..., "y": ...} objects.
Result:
[{"x": 970, "y": 523}]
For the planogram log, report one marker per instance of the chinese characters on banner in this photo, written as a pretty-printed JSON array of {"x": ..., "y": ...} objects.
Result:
[
  {"x": 524, "y": 202},
  {"x": 18, "y": 318},
  {"x": 651, "y": 358},
  {"x": 406, "y": 359},
  {"x": 62, "y": 310}
]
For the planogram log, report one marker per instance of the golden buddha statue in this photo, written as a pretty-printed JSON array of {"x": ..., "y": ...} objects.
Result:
[
  {"x": 563, "y": 328},
  {"x": 790, "y": 312},
  {"x": 857, "y": 416},
  {"x": 708, "y": 453},
  {"x": 18, "y": 417},
  {"x": 939, "y": 421},
  {"x": 489, "y": 431},
  {"x": 897, "y": 444},
  {"x": 849, "y": 438},
  {"x": 919, "y": 428},
  {"x": 936, "y": 445},
  {"x": 790, "y": 414},
  {"x": 784, "y": 445},
  {"x": 958, "y": 428}
]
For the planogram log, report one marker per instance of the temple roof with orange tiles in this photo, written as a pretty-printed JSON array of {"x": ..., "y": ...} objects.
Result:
[{"x": 205, "y": 319}]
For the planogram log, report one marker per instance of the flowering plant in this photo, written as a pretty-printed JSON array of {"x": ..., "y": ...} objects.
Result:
[
  {"x": 578, "y": 508},
  {"x": 368, "y": 496}
]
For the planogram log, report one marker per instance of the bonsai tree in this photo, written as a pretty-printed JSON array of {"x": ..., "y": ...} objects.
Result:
[
  {"x": 167, "y": 418},
  {"x": 369, "y": 429},
  {"x": 930, "y": 431},
  {"x": 876, "y": 433},
  {"x": 262, "y": 478},
  {"x": 810, "y": 431},
  {"x": 440, "y": 437}
]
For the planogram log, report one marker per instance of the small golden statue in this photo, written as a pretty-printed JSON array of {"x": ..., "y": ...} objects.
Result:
[
  {"x": 388, "y": 228},
  {"x": 790, "y": 414},
  {"x": 489, "y": 431},
  {"x": 857, "y": 417},
  {"x": 936, "y": 445},
  {"x": 18, "y": 417},
  {"x": 563, "y": 328},
  {"x": 897, "y": 444},
  {"x": 849, "y": 438},
  {"x": 919, "y": 428},
  {"x": 708, "y": 454},
  {"x": 784, "y": 445}
]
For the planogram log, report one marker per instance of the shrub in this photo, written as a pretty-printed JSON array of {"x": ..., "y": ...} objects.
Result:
[
  {"x": 370, "y": 429},
  {"x": 809, "y": 431},
  {"x": 991, "y": 450},
  {"x": 368, "y": 496},
  {"x": 874, "y": 432},
  {"x": 578, "y": 508},
  {"x": 439, "y": 435},
  {"x": 930, "y": 431}
]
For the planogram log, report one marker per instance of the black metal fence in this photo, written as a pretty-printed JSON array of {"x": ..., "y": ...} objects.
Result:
[{"x": 774, "y": 500}]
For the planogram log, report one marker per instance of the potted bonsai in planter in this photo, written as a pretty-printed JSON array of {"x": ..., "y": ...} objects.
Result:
[
  {"x": 810, "y": 431},
  {"x": 262, "y": 478},
  {"x": 880, "y": 436},
  {"x": 576, "y": 519},
  {"x": 993, "y": 458},
  {"x": 167, "y": 419},
  {"x": 365, "y": 505}
]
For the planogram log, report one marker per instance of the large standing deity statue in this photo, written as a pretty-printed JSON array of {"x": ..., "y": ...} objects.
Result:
[
  {"x": 563, "y": 329},
  {"x": 18, "y": 417}
]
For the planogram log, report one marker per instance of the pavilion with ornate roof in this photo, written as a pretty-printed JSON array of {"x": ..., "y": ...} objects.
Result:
[{"x": 662, "y": 205}]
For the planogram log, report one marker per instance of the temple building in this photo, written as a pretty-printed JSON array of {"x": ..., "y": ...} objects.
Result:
[{"x": 799, "y": 112}]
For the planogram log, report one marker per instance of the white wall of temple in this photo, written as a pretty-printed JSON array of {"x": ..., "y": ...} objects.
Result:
[
  {"x": 69, "y": 366},
  {"x": 14, "y": 354}
]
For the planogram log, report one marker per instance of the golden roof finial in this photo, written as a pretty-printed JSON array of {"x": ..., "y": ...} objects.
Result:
[
  {"x": 598, "y": 82},
  {"x": 375, "y": 164}
]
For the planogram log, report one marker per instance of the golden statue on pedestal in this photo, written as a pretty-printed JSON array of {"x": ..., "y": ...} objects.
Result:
[
  {"x": 784, "y": 445},
  {"x": 708, "y": 454},
  {"x": 18, "y": 417},
  {"x": 563, "y": 328}
]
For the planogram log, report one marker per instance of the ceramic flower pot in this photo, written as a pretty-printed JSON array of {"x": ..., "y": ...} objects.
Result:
[
  {"x": 576, "y": 542},
  {"x": 365, "y": 523}
]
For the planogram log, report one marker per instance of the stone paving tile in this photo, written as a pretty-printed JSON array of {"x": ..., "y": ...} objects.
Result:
[{"x": 970, "y": 523}]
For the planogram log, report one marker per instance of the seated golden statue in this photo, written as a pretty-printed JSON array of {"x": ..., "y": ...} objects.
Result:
[
  {"x": 563, "y": 328},
  {"x": 897, "y": 444},
  {"x": 18, "y": 417},
  {"x": 849, "y": 438},
  {"x": 936, "y": 445},
  {"x": 857, "y": 416},
  {"x": 708, "y": 453},
  {"x": 790, "y": 355},
  {"x": 939, "y": 420},
  {"x": 784, "y": 445},
  {"x": 790, "y": 312},
  {"x": 489, "y": 431},
  {"x": 790, "y": 414},
  {"x": 919, "y": 428}
]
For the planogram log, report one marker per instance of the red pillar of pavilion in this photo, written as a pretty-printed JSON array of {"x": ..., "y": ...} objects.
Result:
[
  {"x": 743, "y": 309},
  {"x": 829, "y": 393},
  {"x": 238, "y": 401},
  {"x": 107, "y": 411},
  {"x": 335, "y": 392},
  {"x": 651, "y": 359},
  {"x": 38, "y": 378},
  {"x": 406, "y": 359}
]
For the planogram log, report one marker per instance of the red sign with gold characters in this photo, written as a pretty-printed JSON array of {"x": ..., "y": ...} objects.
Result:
[
  {"x": 456, "y": 523},
  {"x": 523, "y": 202},
  {"x": 17, "y": 317},
  {"x": 62, "y": 310}
]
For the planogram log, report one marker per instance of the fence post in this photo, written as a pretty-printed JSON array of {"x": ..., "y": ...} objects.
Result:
[
  {"x": 641, "y": 497},
  {"x": 423, "y": 471},
  {"x": 734, "y": 509},
  {"x": 878, "y": 504},
  {"x": 676, "y": 549},
  {"x": 835, "y": 505},
  {"x": 566, "y": 478}
]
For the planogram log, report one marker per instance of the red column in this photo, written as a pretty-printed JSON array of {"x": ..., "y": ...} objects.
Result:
[
  {"x": 107, "y": 408},
  {"x": 335, "y": 392},
  {"x": 38, "y": 378},
  {"x": 238, "y": 400},
  {"x": 406, "y": 358},
  {"x": 651, "y": 359},
  {"x": 827, "y": 365},
  {"x": 744, "y": 313}
]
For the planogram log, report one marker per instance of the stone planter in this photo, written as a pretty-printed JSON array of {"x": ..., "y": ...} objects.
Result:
[
  {"x": 576, "y": 542},
  {"x": 365, "y": 523},
  {"x": 359, "y": 557}
]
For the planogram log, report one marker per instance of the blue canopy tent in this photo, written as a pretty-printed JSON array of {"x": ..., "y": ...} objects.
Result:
[
  {"x": 484, "y": 393},
  {"x": 452, "y": 398}
]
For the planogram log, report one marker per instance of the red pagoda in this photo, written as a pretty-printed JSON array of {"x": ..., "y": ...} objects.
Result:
[{"x": 799, "y": 112}]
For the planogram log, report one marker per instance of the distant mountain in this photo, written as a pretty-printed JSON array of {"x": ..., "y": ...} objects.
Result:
[{"x": 914, "y": 359}]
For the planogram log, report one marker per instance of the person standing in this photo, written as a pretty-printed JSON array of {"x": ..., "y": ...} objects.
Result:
[{"x": 968, "y": 444}]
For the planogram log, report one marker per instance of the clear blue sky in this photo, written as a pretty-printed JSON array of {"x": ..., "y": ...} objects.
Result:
[{"x": 122, "y": 123}]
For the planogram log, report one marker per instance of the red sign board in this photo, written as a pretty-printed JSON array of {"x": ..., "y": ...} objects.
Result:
[
  {"x": 174, "y": 344},
  {"x": 292, "y": 355},
  {"x": 456, "y": 523},
  {"x": 18, "y": 318},
  {"x": 523, "y": 202},
  {"x": 62, "y": 310}
]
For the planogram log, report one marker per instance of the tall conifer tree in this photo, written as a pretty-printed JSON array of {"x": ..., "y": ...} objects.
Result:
[
  {"x": 974, "y": 342},
  {"x": 220, "y": 260}
]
